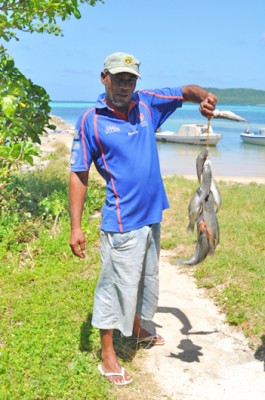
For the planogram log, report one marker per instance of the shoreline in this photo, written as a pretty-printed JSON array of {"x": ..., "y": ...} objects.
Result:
[
  {"x": 232, "y": 179},
  {"x": 64, "y": 133}
]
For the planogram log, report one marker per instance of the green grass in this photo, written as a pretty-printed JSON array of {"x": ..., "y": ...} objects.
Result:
[
  {"x": 235, "y": 274},
  {"x": 48, "y": 348}
]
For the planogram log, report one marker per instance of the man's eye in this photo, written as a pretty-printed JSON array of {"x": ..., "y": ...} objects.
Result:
[{"x": 120, "y": 81}]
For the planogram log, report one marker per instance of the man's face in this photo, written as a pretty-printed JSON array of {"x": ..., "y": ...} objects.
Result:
[{"x": 119, "y": 89}]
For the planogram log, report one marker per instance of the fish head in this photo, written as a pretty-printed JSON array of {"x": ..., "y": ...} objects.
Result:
[{"x": 202, "y": 157}]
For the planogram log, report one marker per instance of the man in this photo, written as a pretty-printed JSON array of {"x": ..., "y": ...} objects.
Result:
[{"x": 118, "y": 135}]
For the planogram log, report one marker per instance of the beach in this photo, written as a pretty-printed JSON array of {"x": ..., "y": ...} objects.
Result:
[
  {"x": 186, "y": 160},
  {"x": 231, "y": 159}
]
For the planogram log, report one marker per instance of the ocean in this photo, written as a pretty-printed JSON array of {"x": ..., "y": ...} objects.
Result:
[{"x": 231, "y": 157}]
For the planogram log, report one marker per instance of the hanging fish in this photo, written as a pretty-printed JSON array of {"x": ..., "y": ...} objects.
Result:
[
  {"x": 202, "y": 211},
  {"x": 228, "y": 115}
]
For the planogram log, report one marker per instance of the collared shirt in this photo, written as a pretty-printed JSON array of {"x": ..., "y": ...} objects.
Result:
[{"x": 125, "y": 154}]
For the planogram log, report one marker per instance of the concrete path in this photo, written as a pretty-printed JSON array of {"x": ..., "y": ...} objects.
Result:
[{"x": 203, "y": 358}]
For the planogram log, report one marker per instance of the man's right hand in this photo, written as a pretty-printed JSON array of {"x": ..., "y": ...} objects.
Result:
[{"x": 78, "y": 243}]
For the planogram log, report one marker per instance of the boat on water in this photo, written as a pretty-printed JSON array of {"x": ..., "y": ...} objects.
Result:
[
  {"x": 191, "y": 134},
  {"x": 253, "y": 137}
]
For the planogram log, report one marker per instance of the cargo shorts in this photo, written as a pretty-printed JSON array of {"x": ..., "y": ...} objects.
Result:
[{"x": 129, "y": 280}]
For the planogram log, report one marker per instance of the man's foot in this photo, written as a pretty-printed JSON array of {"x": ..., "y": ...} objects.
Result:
[
  {"x": 117, "y": 378},
  {"x": 114, "y": 372},
  {"x": 146, "y": 337},
  {"x": 139, "y": 334}
]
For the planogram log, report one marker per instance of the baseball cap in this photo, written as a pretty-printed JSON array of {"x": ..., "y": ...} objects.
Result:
[{"x": 119, "y": 62}]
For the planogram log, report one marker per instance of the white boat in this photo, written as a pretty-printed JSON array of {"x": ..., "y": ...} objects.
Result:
[
  {"x": 191, "y": 134},
  {"x": 253, "y": 137}
]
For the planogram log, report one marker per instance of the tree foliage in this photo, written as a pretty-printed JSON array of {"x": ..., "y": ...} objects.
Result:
[
  {"x": 24, "y": 106},
  {"x": 37, "y": 15},
  {"x": 24, "y": 112}
]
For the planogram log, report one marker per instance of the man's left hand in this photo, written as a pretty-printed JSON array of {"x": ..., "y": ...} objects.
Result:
[{"x": 207, "y": 106}]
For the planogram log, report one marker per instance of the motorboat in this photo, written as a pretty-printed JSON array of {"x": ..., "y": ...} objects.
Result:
[
  {"x": 253, "y": 137},
  {"x": 199, "y": 134}
]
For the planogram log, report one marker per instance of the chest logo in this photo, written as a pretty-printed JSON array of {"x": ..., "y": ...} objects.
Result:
[
  {"x": 111, "y": 129},
  {"x": 141, "y": 116}
]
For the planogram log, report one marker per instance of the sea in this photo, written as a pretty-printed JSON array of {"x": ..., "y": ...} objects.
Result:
[{"x": 229, "y": 158}]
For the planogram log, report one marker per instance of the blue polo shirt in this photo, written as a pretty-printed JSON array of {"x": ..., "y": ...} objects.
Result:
[{"x": 125, "y": 154}]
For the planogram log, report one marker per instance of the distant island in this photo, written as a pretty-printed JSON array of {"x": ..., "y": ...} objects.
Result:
[
  {"x": 239, "y": 96},
  {"x": 225, "y": 96}
]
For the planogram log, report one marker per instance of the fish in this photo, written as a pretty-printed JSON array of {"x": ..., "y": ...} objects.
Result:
[
  {"x": 216, "y": 195},
  {"x": 194, "y": 209},
  {"x": 228, "y": 115},
  {"x": 211, "y": 224},
  {"x": 200, "y": 160},
  {"x": 204, "y": 204},
  {"x": 206, "y": 179},
  {"x": 202, "y": 245},
  {"x": 208, "y": 186},
  {"x": 207, "y": 234}
]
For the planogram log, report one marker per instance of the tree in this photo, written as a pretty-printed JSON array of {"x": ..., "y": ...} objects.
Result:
[{"x": 24, "y": 106}]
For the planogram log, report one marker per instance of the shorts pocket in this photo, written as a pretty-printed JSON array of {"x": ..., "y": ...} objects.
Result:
[{"x": 118, "y": 240}]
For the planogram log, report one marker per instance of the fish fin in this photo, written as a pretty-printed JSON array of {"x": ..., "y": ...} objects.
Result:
[
  {"x": 202, "y": 225},
  {"x": 190, "y": 227}
]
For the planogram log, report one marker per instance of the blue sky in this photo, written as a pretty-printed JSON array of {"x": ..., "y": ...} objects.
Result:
[{"x": 212, "y": 44}]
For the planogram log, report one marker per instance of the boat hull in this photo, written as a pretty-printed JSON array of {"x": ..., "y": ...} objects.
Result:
[
  {"x": 253, "y": 139},
  {"x": 203, "y": 139}
]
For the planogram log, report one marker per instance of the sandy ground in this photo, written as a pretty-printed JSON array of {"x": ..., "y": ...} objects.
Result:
[{"x": 203, "y": 358}]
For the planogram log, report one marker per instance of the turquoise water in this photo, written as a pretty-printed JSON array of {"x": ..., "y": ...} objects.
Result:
[{"x": 230, "y": 157}]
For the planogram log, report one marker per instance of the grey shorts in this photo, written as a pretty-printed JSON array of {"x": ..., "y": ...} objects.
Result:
[{"x": 129, "y": 282}]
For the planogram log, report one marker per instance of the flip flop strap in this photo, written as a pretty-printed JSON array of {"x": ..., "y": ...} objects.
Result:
[{"x": 115, "y": 373}]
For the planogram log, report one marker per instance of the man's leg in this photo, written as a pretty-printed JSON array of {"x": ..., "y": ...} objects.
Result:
[
  {"x": 149, "y": 287},
  {"x": 110, "y": 363}
]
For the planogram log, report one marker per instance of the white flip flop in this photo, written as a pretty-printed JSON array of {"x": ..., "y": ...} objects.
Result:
[{"x": 122, "y": 374}]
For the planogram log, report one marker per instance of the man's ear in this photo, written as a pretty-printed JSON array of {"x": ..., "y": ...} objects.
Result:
[{"x": 103, "y": 77}]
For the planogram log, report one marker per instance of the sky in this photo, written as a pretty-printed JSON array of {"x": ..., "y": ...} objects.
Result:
[{"x": 212, "y": 44}]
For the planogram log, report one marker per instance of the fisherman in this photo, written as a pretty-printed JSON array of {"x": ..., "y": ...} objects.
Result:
[{"x": 118, "y": 135}]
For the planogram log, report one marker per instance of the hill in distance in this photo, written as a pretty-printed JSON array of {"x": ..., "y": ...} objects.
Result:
[{"x": 239, "y": 96}]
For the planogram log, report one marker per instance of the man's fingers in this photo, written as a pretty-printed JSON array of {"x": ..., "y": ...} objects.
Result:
[{"x": 79, "y": 250}]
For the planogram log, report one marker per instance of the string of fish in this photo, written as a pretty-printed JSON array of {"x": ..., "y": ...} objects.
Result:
[
  {"x": 206, "y": 201},
  {"x": 204, "y": 205}
]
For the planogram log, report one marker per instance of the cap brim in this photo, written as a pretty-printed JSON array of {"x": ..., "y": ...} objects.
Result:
[{"x": 118, "y": 70}]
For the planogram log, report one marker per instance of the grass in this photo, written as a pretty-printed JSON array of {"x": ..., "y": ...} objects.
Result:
[{"x": 48, "y": 348}]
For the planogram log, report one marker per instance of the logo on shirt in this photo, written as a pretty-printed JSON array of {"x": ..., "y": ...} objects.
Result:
[
  {"x": 133, "y": 132},
  {"x": 112, "y": 129},
  {"x": 73, "y": 158},
  {"x": 142, "y": 120},
  {"x": 76, "y": 135},
  {"x": 141, "y": 116}
]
